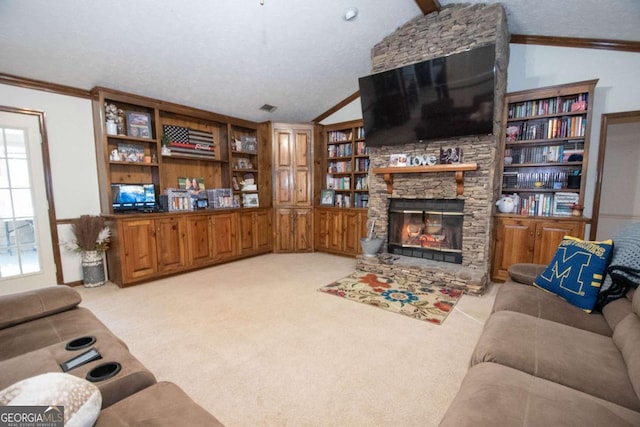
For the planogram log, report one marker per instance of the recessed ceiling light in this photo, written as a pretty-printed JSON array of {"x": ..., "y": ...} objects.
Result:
[
  {"x": 350, "y": 14},
  {"x": 268, "y": 108}
]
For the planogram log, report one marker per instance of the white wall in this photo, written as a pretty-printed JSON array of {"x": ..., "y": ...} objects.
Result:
[
  {"x": 533, "y": 66},
  {"x": 69, "y": 125}
]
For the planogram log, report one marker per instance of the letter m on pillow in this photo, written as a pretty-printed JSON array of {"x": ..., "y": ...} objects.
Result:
[{"x": 576, "y": 271}]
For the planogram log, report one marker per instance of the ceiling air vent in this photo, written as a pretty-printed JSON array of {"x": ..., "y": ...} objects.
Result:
[{"x": 268, "y": 108}]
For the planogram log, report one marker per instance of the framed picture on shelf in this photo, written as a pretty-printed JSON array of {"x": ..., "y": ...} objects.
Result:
[
  {"x": 248, "y": 144},
  {"x": 130, "y": 152},
  {"x": 398, "y": 160},
  {"x": 327, "y": 197},
  {"x": 138, "y": 124},
  {"x": 250, "y": 200}
]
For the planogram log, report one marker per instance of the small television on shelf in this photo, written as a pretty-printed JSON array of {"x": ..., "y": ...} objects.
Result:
[
  {"x": 126, "y": 197},
  {"x": 445, "y": 97}
]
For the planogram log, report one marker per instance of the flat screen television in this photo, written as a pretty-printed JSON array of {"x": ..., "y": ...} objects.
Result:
[
  {"x": 439, "y": 98},
  {"x": 127, "y": 197}
]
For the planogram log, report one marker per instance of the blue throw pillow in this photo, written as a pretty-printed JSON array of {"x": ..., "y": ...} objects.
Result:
[{"x": 576, "y": 271}]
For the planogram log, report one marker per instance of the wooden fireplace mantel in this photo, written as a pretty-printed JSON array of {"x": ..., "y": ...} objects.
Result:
[{"x": 457, "y": 168}]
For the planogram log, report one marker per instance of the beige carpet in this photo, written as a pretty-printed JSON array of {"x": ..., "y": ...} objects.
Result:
[{"x": 255, "y": 344}]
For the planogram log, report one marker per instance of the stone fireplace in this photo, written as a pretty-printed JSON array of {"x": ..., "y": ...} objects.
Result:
[{"x": 453, "y": 29}]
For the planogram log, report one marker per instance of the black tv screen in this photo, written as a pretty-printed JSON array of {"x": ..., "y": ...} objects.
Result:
[
  {"x": 133, "y": 196},
  {"x": 440, "y": 98}
]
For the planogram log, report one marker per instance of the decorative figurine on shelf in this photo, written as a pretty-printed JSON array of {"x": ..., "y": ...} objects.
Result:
[
  {"x": 120, "y": 122},
  {"x": 576, "y": 209},
  {"x": 111, "y": 114},
  {"x": 166, "y": 149},
  {"x": 506, "y": 204}
]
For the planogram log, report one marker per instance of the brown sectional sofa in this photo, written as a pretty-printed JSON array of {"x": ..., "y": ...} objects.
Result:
[
  {"x": 541, "y": 361},
  {"x": 35, "y": 328}
]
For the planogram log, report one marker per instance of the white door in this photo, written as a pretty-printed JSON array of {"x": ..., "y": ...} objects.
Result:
[{"x": 26, "y": 253}]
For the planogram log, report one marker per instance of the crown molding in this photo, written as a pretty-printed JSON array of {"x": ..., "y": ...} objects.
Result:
[
  {"x": 44, "y": 86},
  {"x": 621, "y": 45}
]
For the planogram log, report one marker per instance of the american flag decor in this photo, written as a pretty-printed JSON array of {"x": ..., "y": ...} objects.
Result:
[
  {"x": 190, "y": 142},
  {"x": 176, "y": 133}
]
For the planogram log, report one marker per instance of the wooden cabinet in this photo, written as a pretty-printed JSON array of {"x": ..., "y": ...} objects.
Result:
[
  {"x": 225, "y": 244},
  {"x": 292, "y": 153},
  {"x": 200, "y": 239},
  {"x": 145, "y": 247},
  {"x": 339, "y": 230},
  {"x": 545, "y": 147},
  {"x": 150, "y": 246},
  {"x": 170, "y": 236},
  {"x": 529, "y": 240},
  {"x": 135, "y": 248},
  {"x": 165, "y": 146},
  {"x": 294, "y": 230},
  {"x": 255, "y": 232}
]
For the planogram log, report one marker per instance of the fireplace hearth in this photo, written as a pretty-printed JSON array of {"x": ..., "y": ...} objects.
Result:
[{"x": 426, "y": 228}]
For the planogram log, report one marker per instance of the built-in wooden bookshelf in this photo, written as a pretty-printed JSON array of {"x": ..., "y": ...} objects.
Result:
[
  {"x": 545, "y": 148},
  {"x": 346, "y": 163}
]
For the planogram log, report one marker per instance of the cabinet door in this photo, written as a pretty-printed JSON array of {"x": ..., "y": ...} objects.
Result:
[
  {"x": 139, "y": 249},
  {"x": 549, "y": 234},
  {"x": 351, "y": 232},
  {"x": 303, "y": 230},
  {"x": 322, "y": 230},
  {"x": 247, "y": 242},
  {"x": 335, "y": 231},
  {"x": 170, "y": 237},
  {"x": 262, "y": 230},
  {"x": 302, "y": 181},
  {"x": 514, "y": 243},
  {"x": 225, "y": 236},
  {"x": 284, "y": 237},
  {"x": 284, "y": 168},
  {"x": 199, "y": 239}
]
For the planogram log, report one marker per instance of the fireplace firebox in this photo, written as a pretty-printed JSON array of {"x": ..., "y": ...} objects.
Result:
[{"x": 426, "y": 228}]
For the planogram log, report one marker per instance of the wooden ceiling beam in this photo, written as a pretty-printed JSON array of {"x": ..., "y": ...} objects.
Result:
[{"x": 428, "y": 6}]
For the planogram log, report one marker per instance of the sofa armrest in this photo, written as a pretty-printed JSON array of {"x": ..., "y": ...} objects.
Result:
[
  {"x": 25, "y": 306},
  {"x": 525, "y": 273}
]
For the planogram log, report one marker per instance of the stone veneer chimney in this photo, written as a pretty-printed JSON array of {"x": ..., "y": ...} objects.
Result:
[{"x": 453, "y": 29}]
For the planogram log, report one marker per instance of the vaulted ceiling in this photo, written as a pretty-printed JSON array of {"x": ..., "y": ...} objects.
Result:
[{"x": 233, "y": 56}]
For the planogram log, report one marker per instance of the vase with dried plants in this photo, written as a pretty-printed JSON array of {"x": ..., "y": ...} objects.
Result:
[{"x": 91, "y": 240}]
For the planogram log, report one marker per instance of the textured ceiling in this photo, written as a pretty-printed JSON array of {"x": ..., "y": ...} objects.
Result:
[{"x": 233, "y": 56}]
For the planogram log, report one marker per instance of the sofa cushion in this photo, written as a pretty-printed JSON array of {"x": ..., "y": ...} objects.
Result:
[
  {"x": 576, "y": 271},
  {"x": 46, "y": 331},
  {"x": 578, "y": 359},
  {"x": 496, "y": 395},
  {"x": 80, "y": 399},
  {"x": 627, "y": 338},
  {"x": 530, "y": 300},
  {"x": 25, "y": 306},
  {"x": 162, "y": 404}
]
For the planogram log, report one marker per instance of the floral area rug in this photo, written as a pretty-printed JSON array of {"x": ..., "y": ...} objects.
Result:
[{"x": 429, "y": 303}]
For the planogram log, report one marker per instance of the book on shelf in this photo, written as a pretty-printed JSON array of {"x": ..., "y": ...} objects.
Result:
[
  {"x": 338, "y": 183},
  {"x": 339, "y": 136},
  {"x": 542, "y": 107},
  {"x": 563, "y": 203}
]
